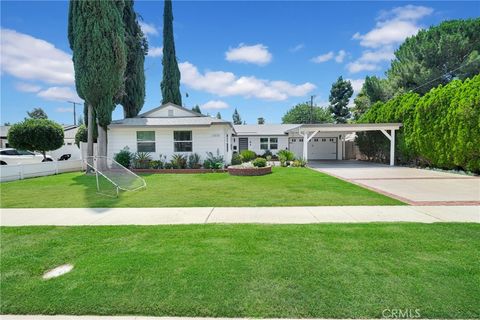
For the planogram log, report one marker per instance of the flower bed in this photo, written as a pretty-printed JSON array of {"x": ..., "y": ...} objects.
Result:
[
  {"x": 248, "y": 170},
  {"x": 178, "y": 170}
]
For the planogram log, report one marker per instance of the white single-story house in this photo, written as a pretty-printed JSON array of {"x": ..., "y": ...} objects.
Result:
[{"x": 171, "y": 129}]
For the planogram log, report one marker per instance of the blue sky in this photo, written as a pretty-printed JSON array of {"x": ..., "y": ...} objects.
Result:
[{"x": 260, "y": 57}]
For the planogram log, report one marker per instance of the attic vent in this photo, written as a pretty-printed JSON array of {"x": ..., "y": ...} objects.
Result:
[{"x": 170, "y": 112}]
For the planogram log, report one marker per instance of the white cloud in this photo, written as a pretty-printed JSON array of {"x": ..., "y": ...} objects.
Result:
[
  {"x": 340, "y": 56},
  {"x": 356, "y": 84},
  {"x": 27, "y": 87},
  {"x": 59, "y": 94},
  {"x": 257, "y": 54},
  {"x": 391, "y": 29},
  {"x": 29, "y": 58},
  {"x": 64, "y": 110},
  {"x": 155, "y": 52},
  {"x": 228, "y": 84},
  {"x": 298, "y": 47},
  {"x": 214, "y": 104},
  {"x": 358, "y": 66},
  {"x": 148, "y": 28},
  {"x": 323, "y": 57}
]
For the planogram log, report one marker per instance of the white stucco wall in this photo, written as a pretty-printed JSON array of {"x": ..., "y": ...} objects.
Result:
[{"x": 205, "y": 139}]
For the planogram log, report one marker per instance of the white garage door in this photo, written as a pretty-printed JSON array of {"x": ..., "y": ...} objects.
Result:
[{"x": 318, "y": 148}]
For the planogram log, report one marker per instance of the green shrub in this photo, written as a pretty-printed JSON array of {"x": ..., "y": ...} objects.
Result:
[
  {"x": 236, "y": 159},
  {"x": 36, "y": 135},
  {"x": 194, "y": 161},
  {"x": 156, "y": 164},
  {"x": 299, "y": 163},
  {"x": 248, "y": 155},
  {"x": 141, "y": 160},
  {"x": 260, "y": 162},
  {"x": 179, "y": 161},
  {"x": 440, "y": 129},
  {"x": 124, "y": 157},
  {"x": 286, "y": 154},
  {"x": 213, "y": 162}
]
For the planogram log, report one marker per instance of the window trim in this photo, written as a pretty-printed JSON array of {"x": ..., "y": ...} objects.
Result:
[
  {"x": 183, "y": 141},
  {"x": 268, "y": 143},
  {"x": 139, "y": 142}
]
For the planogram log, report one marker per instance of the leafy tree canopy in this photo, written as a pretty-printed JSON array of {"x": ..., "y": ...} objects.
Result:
[
  {"x": 171, "y": 74},
  {"x": 340, "y": 94},
  {"x": 37, "y": 113},
  {"x": 236, "y": 117},
  {"x": 304, "y": 113},
  {"x": 137, "y": 48},
  {"x": 36, "y": 135},
  {"x": 197, "y": 109},
  {"x": 437, "y": 55}
]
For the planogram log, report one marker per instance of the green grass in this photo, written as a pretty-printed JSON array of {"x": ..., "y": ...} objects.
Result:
[
  {"x": 307, "y": 271},
  {"x": 284, "y": 187}
]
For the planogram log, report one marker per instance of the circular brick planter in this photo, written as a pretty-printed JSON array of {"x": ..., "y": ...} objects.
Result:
[{"x": 239, "y": 171}]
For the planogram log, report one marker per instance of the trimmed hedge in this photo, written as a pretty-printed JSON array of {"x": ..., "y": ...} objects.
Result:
[{"x": 440, "y": 129}]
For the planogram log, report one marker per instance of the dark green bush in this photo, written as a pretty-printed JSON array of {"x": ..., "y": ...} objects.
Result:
[
  {"x": 248, "y": 155},
  {"x": 179, "y": 161},
  {"x": 260, "y": 162},
  {"x": 213, "y": 162},
  {"x": 194, "y": 161},
  {"x": 36, "y": 135},
  {"x": 440, "y": 129},
  {"x": 287, "y": 155},
  {"x": 124, "y": 157},
  {"x": 236, "y": 159}
]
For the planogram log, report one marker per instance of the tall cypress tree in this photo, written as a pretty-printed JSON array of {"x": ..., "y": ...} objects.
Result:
[
  {"x": 171, "y": 74},
  {"x": 339, "y": 96},
  {"x": 97, "y": 36},
  {"x": 137, "y": 48}
]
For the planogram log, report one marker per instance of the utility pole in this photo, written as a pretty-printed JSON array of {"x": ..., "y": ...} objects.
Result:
[
  {"x": 74, "y": 112},
  {"x": 311, "y": 108}
]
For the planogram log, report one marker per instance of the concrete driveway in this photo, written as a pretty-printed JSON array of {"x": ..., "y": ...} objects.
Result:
[{"x": 411, "y": 185}]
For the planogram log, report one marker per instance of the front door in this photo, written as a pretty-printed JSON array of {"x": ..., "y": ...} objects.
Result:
[{"x": 242, "y": 144}]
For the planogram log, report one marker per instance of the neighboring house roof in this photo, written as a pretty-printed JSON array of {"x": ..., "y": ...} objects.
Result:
[
  {"x": 169, "y": 104},
  {"x": 264, "y": 129}
]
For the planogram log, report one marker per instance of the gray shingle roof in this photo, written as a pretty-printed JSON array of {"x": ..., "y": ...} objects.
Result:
[{"x": 169, "y": 122}]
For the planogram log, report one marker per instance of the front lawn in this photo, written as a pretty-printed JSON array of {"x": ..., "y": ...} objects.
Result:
[
  {"x": 284, "y": 187},
  {"x": 301, "y": 271}
]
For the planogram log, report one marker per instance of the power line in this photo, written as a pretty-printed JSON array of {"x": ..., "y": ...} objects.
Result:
[{"x": 443, "y": 75}]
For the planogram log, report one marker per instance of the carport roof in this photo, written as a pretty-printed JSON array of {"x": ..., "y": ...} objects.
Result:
[{"x": 346, "y": 127}]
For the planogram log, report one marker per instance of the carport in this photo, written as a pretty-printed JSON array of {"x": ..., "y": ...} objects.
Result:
[{"x": 308, "y": 131}]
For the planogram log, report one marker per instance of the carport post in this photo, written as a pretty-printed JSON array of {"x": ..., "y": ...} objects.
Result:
[
  {"x": 392, "y": 147},
  {"x": 305, "y": 146}
]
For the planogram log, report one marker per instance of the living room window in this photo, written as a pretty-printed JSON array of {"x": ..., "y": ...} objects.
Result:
[
  {"x": 269, "y": 143},
  {"x": 146, "y": 141},
  {"x": 182, "y": 141}
]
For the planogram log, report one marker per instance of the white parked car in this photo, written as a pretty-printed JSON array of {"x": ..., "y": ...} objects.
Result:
[{"x": 14, "y": 156}]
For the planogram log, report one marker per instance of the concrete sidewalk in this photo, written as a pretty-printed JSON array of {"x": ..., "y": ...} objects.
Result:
[{"x": 280, "y": 215}]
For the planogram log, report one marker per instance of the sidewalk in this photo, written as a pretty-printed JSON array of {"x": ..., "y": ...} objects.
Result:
[{"x": 290, "y": 215}]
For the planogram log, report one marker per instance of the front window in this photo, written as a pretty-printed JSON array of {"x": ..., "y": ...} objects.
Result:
[
  {"x": 264, "y": 143},
  {"x": 269, "y": 143},
  {"x": 182, "y": 141},
  {"x": 146, "y": 141}
]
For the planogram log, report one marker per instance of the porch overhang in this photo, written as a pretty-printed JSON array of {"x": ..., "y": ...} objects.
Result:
[{"x": 308, "y": 131}]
